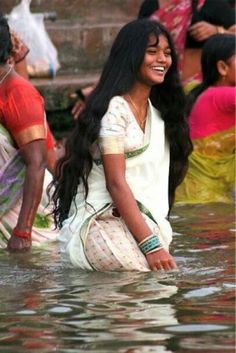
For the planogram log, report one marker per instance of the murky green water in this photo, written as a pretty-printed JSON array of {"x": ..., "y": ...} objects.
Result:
[{"x": 47, "y": 307}]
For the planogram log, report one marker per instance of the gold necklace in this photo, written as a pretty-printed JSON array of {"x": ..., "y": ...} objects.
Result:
[
  {"x": 141, "y": 122},
  {"x": 5, "y": 75}
]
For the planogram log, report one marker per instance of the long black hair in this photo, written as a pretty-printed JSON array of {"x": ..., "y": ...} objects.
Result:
[
  {"x": 217, "y": 47},
  {"x": 147, "y": 8},
  {"x": 118, "y": 77},
  {"x": 5, "y": 40}
]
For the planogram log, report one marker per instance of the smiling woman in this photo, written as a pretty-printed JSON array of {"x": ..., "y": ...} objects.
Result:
[
  {"x": 128, "y": 152},
  {"x": 157, "y": 59}
]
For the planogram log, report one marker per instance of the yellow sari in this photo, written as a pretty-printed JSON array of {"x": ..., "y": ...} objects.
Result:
[{"x": 211, "y": 174}]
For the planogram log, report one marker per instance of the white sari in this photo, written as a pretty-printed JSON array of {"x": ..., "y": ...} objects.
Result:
[{"x": 92, "y": 236}]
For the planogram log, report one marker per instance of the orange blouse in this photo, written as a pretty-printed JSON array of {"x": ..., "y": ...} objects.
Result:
[{"x": 22, "y": 112}]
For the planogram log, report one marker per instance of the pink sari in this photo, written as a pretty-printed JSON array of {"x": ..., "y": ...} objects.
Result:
[{"x": 176, "y": 16}]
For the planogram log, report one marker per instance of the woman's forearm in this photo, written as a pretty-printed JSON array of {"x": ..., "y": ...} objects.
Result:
[
  {"x": 127, "y": 206},
  {"x": 32, "y": 192}
]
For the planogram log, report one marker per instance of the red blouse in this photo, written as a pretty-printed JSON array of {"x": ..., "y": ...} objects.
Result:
[{"x": 22, "y": 112}]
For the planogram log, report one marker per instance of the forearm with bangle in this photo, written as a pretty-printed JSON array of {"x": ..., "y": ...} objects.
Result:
[
  {"x": 21, "y": 233},
  {"x": 29, "y": 205}
]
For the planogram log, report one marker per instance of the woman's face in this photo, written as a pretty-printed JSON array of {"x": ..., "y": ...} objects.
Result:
[{"x": 157, "y": 61}]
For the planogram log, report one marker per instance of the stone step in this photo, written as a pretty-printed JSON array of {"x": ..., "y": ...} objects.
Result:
[
  {"x": 84, "y": 30},
  {"x": 57, "y": 92},
  {"x": 83, "y": 10},
  {"x": 83, "y": 34},
  {"x": 82, "y": 49},
  {"x": 58, "y": 98}
]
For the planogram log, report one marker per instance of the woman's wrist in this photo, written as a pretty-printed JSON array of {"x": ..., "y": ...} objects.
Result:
[
  {"x": 21, "y": 233},
  {"x": 154, "y": 250},
  {"x": 150, "y": 244}
]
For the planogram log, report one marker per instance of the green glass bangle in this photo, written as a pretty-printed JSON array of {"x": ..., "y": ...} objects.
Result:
[{"x": 152, "y": 242}]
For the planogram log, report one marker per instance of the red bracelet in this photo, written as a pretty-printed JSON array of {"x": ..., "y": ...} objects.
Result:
[{"x": 21, "y": 233}]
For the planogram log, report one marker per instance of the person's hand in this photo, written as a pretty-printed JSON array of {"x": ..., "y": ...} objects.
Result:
[
  {"x": 161, "y": 260},
  {"x": 232, "y": 29},
  {"x": 16, "y": 243},
  {"x": 78, "y": 106},
  {"x": 81, "y": 96},
  {"x": 202, "y": 30}
]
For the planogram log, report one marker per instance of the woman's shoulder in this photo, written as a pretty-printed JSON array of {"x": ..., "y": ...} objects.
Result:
[
  {"x": 219, "y": 92},
  {"x": 215, "y": 98},
  {"x": 19, "y": 84},
  {"x": 118, "y": 106},
  {"x": 220, "y": 89},
  {"x": 117, "y": 113},
  {"x": 17, "y": 80},
  {"x": 214, "y": 91},
  {"x": 117, "y": 101}
]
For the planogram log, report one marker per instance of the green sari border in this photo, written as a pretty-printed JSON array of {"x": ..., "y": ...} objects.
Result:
[
  {"x": 127, "y": 154},
  {"x": 86, "y": 224},
  {"x": 144, "y": 210}
]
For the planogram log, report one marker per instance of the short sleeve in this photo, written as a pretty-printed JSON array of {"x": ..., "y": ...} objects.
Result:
[
  {"x": 24, "y": 114},
  {"x": 50, "y": 142},
  {"x": 113, "y": 128}
]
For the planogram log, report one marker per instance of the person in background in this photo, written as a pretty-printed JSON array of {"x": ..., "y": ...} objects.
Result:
[
  {"x": 116, "y": 183},
  {"x": 211, "y": 174},
  {"x": 191, "y": 23},
  {"x": 81, "y": 96},
  {"x": 26, "y": 148}
]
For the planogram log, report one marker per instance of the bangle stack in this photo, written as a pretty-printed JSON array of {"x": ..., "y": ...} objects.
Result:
[
  {"x": 21, "y": 233},
  {"x": 150, "y": 244}
]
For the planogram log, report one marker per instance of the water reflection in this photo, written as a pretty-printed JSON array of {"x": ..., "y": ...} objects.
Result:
[{"x": 47, "y": 306}]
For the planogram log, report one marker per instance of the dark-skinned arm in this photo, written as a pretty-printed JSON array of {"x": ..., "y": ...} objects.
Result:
[{"x": 35, "y": 158}]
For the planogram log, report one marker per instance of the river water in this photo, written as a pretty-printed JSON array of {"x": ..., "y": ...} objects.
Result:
[{"x": 47, "y": 306}]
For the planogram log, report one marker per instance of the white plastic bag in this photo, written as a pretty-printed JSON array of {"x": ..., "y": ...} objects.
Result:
[{"x": 42, "y": 59}]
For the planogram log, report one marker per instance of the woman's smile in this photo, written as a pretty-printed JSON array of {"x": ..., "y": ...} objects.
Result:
[{"x": 157, "y": 61}]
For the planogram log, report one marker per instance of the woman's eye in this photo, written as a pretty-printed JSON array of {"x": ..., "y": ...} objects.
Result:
[{"x": 151, "y": 51}]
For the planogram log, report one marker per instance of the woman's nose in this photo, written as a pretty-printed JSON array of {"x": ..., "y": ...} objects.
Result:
[{"x": 161, "y": 56}]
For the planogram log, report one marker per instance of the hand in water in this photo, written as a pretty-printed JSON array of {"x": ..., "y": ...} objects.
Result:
[
  {"x": 161, "y": 260},
  {"x": 19, "y": 244}
]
